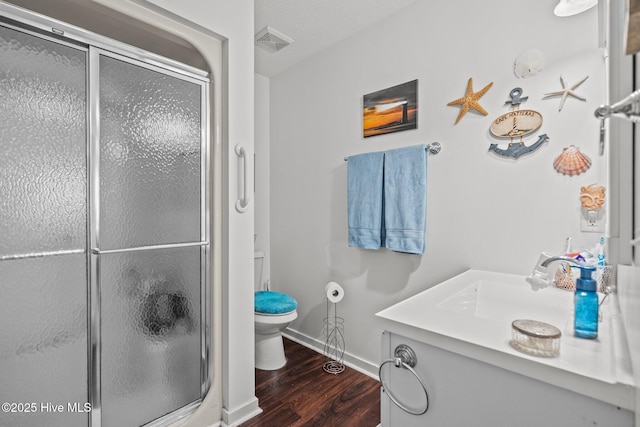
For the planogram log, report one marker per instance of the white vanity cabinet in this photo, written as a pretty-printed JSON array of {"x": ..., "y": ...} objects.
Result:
[
  {"x": 460, "y": 332},
  {"x": 467, "y": 392}
]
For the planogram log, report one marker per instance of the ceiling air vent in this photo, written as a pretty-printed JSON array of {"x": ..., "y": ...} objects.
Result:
[{"x": 272, "y": 40}]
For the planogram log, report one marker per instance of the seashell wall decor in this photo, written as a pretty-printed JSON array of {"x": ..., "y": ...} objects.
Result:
[
  {"x": 528, "y": 64},
  {"x": 572, "y": 161}
]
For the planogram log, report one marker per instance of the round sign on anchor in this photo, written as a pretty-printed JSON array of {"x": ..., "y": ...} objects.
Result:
[{"x": 516, "y": 124}]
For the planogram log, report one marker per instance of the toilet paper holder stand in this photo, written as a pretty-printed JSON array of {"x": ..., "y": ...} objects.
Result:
[{"x": 334, "y": 333}]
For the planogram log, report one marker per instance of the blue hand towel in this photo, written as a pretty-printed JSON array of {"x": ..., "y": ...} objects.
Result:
[
  {"x": 405, "y": 199},
  {"x": 364, "y": 200}
]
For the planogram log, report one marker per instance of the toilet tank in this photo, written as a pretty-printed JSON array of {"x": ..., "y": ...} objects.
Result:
[{"x": 258, "y": 259}]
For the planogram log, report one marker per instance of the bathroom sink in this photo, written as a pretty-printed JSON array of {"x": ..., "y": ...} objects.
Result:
[
  {"x": 476, "y": 303},
  {"x": 508, "y": 298},
  {"x": 471, "y": 314}
]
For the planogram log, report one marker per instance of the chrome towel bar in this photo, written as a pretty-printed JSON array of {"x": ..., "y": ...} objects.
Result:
[{"x": 434, "y": 148}]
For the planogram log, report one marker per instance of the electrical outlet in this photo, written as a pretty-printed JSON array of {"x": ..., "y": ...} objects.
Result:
[{"x": 592, "y": 220}]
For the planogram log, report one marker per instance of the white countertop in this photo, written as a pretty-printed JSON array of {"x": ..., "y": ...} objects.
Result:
[
  {"x": 629, "y": 299},
  {"x": 597, "y": 368}
]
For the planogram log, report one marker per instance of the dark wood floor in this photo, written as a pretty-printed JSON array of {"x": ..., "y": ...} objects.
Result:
[{"x": 303, "y": 394}]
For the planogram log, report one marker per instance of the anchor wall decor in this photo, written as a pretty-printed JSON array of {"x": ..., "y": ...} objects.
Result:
[{"x": 516, "y": 124}]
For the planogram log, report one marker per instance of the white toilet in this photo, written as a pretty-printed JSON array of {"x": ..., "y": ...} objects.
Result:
[{"x": 273, "y": 312}]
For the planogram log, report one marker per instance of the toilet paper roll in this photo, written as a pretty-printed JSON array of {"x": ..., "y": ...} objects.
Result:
[{"x": 335, "y": 293}]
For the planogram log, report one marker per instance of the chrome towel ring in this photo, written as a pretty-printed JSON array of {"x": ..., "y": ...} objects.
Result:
[{"x": 404, "y": 357}]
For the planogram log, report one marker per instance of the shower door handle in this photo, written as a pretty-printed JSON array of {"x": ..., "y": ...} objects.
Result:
[
  {"x": 242, "y": 203},
  {"x": 97, "y": 251}
]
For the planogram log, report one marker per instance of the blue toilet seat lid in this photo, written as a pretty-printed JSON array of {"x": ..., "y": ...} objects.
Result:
[{"x": 269, "y": 302}]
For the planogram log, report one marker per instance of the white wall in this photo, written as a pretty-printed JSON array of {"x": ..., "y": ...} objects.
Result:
[
  {"x": 263, "y": 218},
  {"x": 484, "y": 212}
]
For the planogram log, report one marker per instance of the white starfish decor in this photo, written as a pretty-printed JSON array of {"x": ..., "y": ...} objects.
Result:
[{"x": 566, "y": 92}]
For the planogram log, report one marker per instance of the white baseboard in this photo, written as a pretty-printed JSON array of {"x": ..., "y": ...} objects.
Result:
[
  {"x": 350, "y": 360},
  {"x": 240, "y": 415}
]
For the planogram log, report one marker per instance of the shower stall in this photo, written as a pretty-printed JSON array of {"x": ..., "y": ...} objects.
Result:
[{"x": 104, "y": 231}]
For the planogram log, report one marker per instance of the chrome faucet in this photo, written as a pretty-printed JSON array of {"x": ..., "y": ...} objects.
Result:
[
  {"x": 540, "y": 275},
  {"x": 548, "y": 261}
]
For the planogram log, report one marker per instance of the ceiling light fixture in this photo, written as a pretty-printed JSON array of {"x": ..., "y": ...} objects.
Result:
[{"x": 573, "y": 7}]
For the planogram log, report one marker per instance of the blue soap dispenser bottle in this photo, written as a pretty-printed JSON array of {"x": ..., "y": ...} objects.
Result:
[{"x": 586, "y": 305}]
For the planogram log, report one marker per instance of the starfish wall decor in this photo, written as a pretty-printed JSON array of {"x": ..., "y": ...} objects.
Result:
[
  {"x": 470, "y": 100},
  {"x": 566, "y": 92}
]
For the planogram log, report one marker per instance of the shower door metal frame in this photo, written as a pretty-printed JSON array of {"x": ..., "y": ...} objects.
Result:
[
  {"x": 94, "y": 233},
  {"x": 95, "y": 45}
]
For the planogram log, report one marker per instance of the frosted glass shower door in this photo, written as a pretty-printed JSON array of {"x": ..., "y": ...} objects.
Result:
[
  {"x": 43, "y": 240},
  {"x": 104, "y": 269},
  {"x": 150, "y": 239}
]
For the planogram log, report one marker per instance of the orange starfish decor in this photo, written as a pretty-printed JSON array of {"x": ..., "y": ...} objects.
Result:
[{"x": 470, "y": 100}]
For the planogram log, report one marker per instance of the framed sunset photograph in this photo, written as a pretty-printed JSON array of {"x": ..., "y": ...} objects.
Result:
[{"x": 390, "y": 110}]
